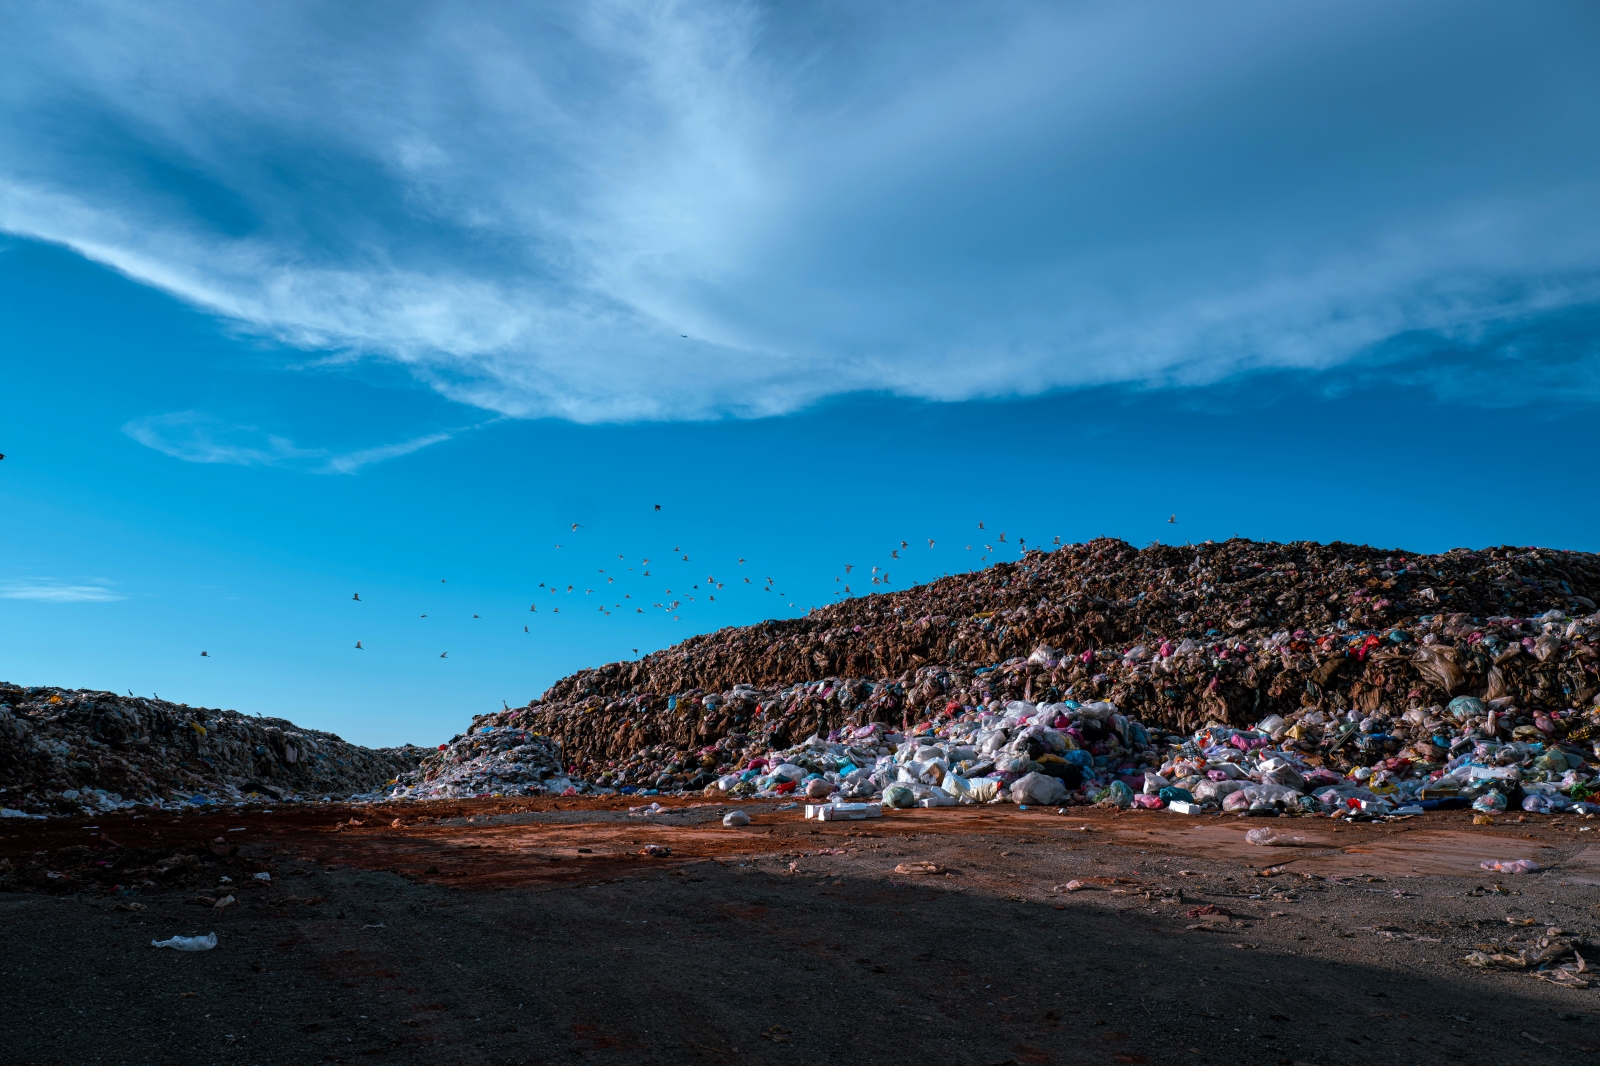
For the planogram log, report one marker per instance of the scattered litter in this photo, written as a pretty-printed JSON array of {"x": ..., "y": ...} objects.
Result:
[
  {"x": 918, "y": 868},
  {"x": 1512, "y": 866},
  {"x": 735, "y": 818},
  {"x": 655, "y": 851}
]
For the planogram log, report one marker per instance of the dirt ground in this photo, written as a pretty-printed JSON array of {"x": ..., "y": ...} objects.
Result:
[{"x": 497, "y": 932}]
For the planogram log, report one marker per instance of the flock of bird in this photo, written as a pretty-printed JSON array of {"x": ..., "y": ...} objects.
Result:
[{"x": 689, "y": 589}]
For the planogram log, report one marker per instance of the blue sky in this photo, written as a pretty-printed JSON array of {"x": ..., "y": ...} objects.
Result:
[{"x": 310, "y": 302}]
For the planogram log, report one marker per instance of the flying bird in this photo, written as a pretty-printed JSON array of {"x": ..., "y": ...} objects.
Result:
[
  {"x": 524, "y": 629},
  {"x": 1172, "y": 521},
  {"x": 204, "y": 655},
  {"x": 894, "y": 554},
  {"x": 849, "y": 567},
  {"x": 422, "y": 616},
  {"x": 1002, "y": 536},
  {"x": 356, "y": 597},
  {"x": 474, "y": 616},
  {"x": 658, "y": 507},
  {"x": 903, "y": 544},
  {"x": 444, "y": 655},
  {"x": 930, "y": 542},
  {"x": 359, "y": 647},
  {"x": 741, "y": 562},
  {"x": 980, "y": 525},
  {"x": 574, "y": 527}
]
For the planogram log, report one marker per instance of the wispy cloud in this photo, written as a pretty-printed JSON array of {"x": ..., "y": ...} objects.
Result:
[
  {"x": 686, "y": 210},
  {"x": 196, "y": 437},
  {"x": 48, "y": 591}
]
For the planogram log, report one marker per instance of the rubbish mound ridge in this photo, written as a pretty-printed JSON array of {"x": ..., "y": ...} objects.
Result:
[
  {"x": 1316, "y": 674},
  {"x": 65, "y": 750}
]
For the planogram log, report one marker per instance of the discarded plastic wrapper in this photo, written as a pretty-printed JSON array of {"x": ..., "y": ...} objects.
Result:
[
  {"x": 736, "y": 818},
  {"x": 187, "y": 943},
  {"x": 1510, "y": 866}
]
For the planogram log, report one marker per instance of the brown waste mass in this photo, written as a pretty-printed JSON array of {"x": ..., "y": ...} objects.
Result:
[
  {"x": 1362, "y": 628},
  {"x": 65, "y": 749}
]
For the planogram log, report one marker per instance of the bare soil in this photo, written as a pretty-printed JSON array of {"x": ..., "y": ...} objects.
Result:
[{"x": 538, "y": 931}]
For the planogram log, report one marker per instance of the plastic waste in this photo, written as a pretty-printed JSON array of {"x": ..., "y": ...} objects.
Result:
[
  {"x": 187, "y": 943},
  {"x": 899, "y": 796},
  {"x": 1271, "y": 838},
  {"x": 735, "y": 818},
  {"x": 1512, "y": 866},
  {"x": 1491, "y": 802},
  {"x": 1040, "y": 789}
]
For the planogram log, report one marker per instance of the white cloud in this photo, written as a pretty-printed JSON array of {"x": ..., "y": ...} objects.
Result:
[
  {"x": 196, "y": 437},
  {"x": 48, "y": 591},
  {"x": 688, "y": 210}
]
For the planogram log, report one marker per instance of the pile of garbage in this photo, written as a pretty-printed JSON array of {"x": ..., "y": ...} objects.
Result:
[
  {"x": 66, "y": 750},
  {"x": 1325, "y": 661},
  {"x": 492, "y": 760}
]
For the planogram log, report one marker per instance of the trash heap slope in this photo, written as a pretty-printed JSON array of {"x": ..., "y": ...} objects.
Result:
[
  {"x": 1229, "y": 632},
  {"x": 61, "y": 749}
]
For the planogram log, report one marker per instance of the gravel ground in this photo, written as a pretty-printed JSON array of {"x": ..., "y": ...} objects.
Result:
[{"x": 536, "y": 932}]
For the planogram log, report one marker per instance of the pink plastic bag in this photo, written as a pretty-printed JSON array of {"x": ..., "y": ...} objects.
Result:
[
  {"x": 1149, "y": 803},
  {"x": 1514, "y": 866}
]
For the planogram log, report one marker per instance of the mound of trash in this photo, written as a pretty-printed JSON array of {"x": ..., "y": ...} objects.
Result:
[
  {"x": 62, "y": 750},
  {"x": 1380, "y": 669},
  {"x": 505, "y": 759}
]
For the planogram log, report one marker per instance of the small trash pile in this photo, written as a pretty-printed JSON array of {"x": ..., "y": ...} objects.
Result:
[
  {"x": 1549, "y": 954},
  {"x": 65, "y": 750},
  {"x": 491, "y": 760},
  {"x": 1344, "y": 674}
]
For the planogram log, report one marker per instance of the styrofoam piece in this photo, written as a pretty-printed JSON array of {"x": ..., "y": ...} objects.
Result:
[{"x": 1184, "y": 807}]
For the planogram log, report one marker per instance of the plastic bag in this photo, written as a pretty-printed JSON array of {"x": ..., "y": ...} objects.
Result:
[
  {"x": 187, "y": 943},
  {"x": 1491, "y": 802},
  {"x": 735, "y": 818},
  {"x": 1117, "y": 795},
  {"x": 1512, "y": 866},
  {"x": 1437, "y": 664},
  {"x": 1544, "y": 803},
  {"x": 1271, "y": 838},
  {"x": 899, "y": 796},
  {"x": 1040, "y": 789}
]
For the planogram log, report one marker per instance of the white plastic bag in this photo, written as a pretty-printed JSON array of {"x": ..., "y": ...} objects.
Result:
[
  {"x": 188, "y": 943},
  {"x": 1038, "y": 789}
]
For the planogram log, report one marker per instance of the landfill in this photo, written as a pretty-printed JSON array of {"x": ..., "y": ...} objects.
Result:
[
  {"x": 65, "y": 751},
  {"x": 1237, "y": 675}
]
